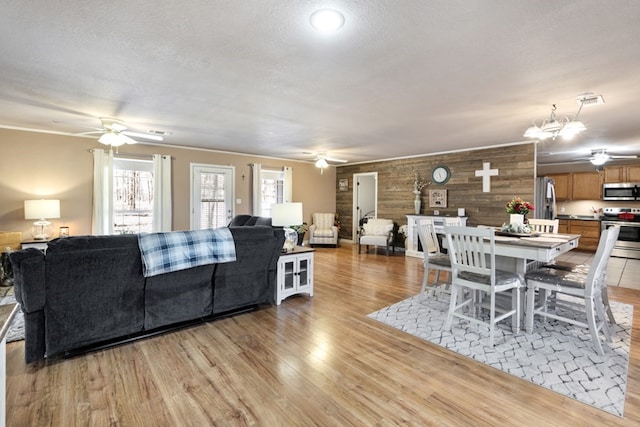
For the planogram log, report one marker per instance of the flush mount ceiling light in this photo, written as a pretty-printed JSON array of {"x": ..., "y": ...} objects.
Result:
[
  {"x": 327, "y": 20},
  {"x": 565, "y": 127}
]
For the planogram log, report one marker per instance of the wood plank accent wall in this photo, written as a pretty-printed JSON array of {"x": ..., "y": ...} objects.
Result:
[{"x": 516, "y": 165}]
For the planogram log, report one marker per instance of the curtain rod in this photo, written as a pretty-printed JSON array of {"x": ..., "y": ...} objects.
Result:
[{"x": 141, "y": 156}]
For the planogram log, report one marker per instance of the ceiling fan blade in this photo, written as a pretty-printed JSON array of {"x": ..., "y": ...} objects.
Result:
[
  {"x": 95, "y": 132},
  {"x": 329, "y": 159},
  {"x": 126, "y": 139},
  {"x": 614, "y": 156},
  {"x": 143, "y": 135}
]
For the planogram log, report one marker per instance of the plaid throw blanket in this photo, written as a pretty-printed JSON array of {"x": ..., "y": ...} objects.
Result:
[{"x": 179, "y": 250}]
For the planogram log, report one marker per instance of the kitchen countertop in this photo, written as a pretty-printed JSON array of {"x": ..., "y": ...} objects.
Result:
[{"x": 580, "y": 217}]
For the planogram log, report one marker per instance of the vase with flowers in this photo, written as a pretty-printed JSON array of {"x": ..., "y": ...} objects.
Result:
[
  {"x": 517, "y": 206},
  {"x": 417, "y": 191}
]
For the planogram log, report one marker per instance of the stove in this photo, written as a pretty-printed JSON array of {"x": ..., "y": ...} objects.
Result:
[
  {"x": 622, "y": 214},
  {"x": 628, "y": 243}
]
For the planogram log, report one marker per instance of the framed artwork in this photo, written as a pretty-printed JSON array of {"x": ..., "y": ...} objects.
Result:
[
  {"x": 437, "y": 198},
  {"x": 343, "y": 185}
]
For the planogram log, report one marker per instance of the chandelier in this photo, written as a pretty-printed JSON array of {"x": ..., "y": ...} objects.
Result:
[{"x": 564, "y": 127}]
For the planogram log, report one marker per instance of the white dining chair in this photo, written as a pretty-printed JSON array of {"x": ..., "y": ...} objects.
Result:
[
  {"x": 434, "y": 259},
  {"x": 586, "y": 285},
  {"x": 544, "y": 225},
  {"x": 473, "y": 265},
  {"x": 452, "y": 220}
]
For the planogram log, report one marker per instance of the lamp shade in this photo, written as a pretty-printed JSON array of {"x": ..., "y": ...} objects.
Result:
[
  {"x": 286, "y": 214},
  {"x": 41, "y": 209}
]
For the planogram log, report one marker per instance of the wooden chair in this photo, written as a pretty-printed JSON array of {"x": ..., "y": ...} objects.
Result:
[
  {"x": 434, "y": 258},
  {"x": 587, "y": 285},
  {"x": 472, "y": 253},
  {"x": 544, "y": 225}
]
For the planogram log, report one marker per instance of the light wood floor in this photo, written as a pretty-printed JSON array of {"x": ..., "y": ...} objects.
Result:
[{"x": 317, "y": 361}]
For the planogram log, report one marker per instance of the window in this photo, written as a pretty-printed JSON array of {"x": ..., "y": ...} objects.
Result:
[
  {"x": 272, "y": 184},
  {"x": 132, "y": 196}
]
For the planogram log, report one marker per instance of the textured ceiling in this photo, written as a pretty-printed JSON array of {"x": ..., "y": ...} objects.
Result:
[{"x": 400, "y": 78}]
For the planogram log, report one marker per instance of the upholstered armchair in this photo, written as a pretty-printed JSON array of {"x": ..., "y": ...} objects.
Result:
[
  {"x": 323, "y": 231},
  {"x": 377, "y": 232}
]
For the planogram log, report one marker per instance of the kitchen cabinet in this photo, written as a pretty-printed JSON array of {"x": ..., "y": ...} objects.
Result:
[
  {"x": 586, "y": 186},
  {"x": 624, "y": 173},
  {"x": 588, "y": 230},
  {"x": 562, "y": 185},
  {"x": 563, "y": 226},
  {"x": 578, "y": 186}
]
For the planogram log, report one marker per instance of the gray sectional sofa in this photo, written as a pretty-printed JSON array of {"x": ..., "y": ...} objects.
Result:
[{"x": 89, "y": 291}]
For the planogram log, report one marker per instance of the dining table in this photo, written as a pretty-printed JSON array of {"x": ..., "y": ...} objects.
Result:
[{"x": 522, "y": 252}]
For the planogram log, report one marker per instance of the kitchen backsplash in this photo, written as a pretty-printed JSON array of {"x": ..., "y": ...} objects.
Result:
[{"x": 583, "y": 207}]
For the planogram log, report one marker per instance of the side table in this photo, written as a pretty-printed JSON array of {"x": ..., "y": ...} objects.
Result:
[
  {"x": 38, "y": 244},
  {"x": 295, "y": 273}
]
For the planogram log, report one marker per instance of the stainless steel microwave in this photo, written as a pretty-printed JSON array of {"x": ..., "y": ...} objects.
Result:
[{"x": 621, "y": 191}]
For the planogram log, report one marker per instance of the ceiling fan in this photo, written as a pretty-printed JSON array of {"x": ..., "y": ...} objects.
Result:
[
  {"x": 600, "y": 157},
  {"x": 114, "y": 132},
  {"x": 322, "y": 158}
]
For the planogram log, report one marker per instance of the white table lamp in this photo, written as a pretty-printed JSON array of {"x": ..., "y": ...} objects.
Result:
[
  {"x": 285, "y": 215},
  {"x": 41, "y": 210}
]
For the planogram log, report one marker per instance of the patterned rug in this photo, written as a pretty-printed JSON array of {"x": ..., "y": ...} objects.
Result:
[
  {"x": 557, "y": 356},
  {"x": 16, "y": 331}
]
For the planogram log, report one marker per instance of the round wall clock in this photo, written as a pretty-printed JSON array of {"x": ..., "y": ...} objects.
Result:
[{"x": 440, "y": 174}]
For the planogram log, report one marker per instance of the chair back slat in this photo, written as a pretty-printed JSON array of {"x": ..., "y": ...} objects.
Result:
[
  {"x": 472, "y": 250},
  {"x": 428, "y": 237},
  {"x": 544, "y": 225},
  {"x": 598, "y": 268}
]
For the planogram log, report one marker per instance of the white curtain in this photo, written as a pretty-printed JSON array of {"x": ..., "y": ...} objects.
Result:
[
  {"x": 256, "y": 188},
  {"x": 161, "y": 193},
  {"x": 102, "y": 221},
  {"x": 288, "y": 184}
]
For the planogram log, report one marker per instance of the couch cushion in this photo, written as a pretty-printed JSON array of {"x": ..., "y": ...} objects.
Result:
[{"x": 92, "y": 295}]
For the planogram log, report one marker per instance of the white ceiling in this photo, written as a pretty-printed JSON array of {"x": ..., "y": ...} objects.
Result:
[{"x": 400, "y": 78}]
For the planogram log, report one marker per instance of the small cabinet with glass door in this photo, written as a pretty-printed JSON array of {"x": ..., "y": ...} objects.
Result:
[{"x": 295, "y": 273}]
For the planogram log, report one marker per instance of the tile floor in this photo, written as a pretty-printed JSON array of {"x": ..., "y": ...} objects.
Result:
[{"x": 623, "y": 272}]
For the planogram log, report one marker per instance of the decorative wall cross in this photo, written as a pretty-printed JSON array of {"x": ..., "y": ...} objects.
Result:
[{"x": 486, "y": 173}]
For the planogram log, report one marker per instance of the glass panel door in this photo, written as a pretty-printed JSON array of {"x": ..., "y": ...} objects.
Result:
[
  {"x": 289, "y": 274},
  {"x": 212, "y": 194}
]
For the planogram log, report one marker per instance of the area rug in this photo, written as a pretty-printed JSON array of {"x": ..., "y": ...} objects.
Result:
[
  {"x": 557, "y": 356},
  {"x": 16, "y": 330}
]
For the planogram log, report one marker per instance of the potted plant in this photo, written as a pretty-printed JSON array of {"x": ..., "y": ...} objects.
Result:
[{"x": 301, "y": 230}]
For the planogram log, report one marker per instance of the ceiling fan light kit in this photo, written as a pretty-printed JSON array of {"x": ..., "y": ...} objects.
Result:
[
  {"x": 114, "y": 133},
  {"x": 321, "y": 163},
  {"x": 599, "y": 158},
  {"x": 563, "y": 126}
]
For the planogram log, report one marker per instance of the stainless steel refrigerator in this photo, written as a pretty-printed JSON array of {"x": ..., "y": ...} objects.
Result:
[{"x": 545, "y": 203}]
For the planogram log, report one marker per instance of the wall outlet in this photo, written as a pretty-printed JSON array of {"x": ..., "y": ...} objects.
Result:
[
  {"x": 238, "y": 201},
  {"x": 562, "y": 209},
  {"x": 436, "y": 212}
]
